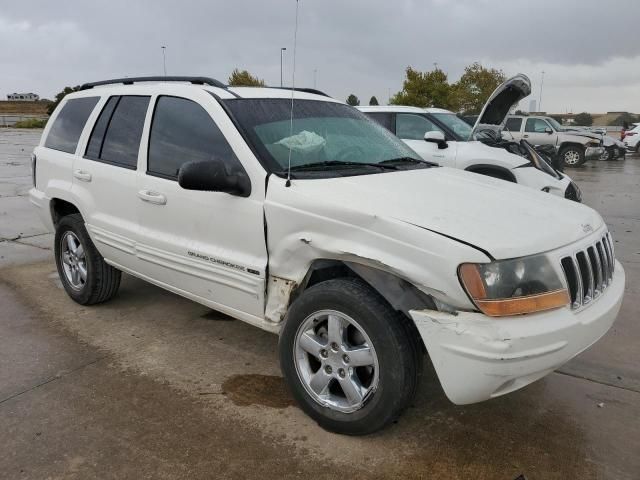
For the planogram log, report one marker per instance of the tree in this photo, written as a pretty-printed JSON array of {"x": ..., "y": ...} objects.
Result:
[
  {"x": 475, "y": 86},
  {"x": 52, "y": 106},
  {"x": 625, "y": 117},
  {"x": 353, "y": 100},
  {"x": 521, "y": 112},
  {"x": 425, "y": 89},
  {"x": 584, "y": 119},
  {"x": 558, "y": 118},
  {"x": 242, "y": 78},
  {"x": 373, "y": 101}
]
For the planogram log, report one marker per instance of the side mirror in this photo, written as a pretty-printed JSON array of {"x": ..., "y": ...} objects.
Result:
[
  {"x": 436, "y": 136},
  {"x": 548, "y": 131},
  {"x": 212, "y": 176}
]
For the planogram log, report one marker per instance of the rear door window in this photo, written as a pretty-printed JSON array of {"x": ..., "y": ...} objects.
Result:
[
  {"x": 182, "y": 131},
  {"x": 67, "y": 128},
  {"x": 513, "y": 124},
  {"x": 116, "y": 135}
]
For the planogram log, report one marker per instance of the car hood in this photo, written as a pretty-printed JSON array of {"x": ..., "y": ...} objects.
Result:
[
  {"x": 502, "y": 100},
  {"x": 594, "y": 136},
  {"x": 502, "y": 219}
]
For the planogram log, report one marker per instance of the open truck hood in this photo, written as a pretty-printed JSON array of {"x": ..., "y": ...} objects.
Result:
[
  {"x": 495, "y": 111},
  {"x": 497, "y": 217}
]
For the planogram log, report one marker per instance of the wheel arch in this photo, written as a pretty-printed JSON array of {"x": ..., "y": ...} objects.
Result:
[
  {"x": 60, "y": 208},
  {"x": 397, "y": 292},
  {"x": 567, "y": 144}
]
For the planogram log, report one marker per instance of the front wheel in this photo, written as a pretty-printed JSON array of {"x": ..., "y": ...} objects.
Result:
[
  {"x": 349, "y": 359},
  {"x": 572, "y": 156}
]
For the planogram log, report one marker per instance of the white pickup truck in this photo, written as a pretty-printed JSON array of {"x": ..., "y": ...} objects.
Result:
[{"x": 328, "y": 231}]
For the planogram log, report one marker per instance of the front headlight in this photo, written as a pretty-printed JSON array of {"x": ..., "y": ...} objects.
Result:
[
  {"x": 593, "y": 143},
  {"x": 513, "y": 287}
]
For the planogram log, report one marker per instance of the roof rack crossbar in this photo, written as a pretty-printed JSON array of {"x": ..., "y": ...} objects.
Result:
[{"x": 130, "y": 81}]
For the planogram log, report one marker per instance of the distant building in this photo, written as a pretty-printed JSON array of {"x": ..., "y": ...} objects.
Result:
[
  {"x": 23, "y": 97},
  {"x": 532, "y": 106}
]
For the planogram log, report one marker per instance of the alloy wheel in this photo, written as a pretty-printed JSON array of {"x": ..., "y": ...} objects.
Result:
[
  {"x": 74, "y": 261},
  {"x": 335, "y": 361},
  {"x": 571, "y": 157}
]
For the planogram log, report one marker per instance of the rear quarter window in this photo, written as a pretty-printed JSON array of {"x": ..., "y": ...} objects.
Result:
[
  {"x": 67, "y": 127},
  {"x": 117, "y": 133}
]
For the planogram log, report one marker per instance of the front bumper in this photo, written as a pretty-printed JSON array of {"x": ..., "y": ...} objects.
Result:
[
  {"x": 478, "y": 357},
  {"x": 593, "y": 152}
]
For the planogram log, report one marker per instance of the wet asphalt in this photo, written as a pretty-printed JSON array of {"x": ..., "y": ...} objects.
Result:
[{"x": 151, "y": 385}]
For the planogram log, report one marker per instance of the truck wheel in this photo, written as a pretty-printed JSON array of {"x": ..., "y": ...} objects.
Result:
[
  {"x": 606, "y": 155},
  {"x": 83, "y": 272},
  {"x": 349, "y": 358},
  {"x": 572, "y": 156}
]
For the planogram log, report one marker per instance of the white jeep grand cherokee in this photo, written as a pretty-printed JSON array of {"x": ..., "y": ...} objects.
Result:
[{"x": 366, "y": 259}]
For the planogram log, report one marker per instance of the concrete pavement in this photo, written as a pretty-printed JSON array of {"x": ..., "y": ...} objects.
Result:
[{"x": 151, "y": 385}]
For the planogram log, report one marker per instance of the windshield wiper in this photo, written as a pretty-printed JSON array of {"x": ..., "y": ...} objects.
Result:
[
  {"x": 406, "y": 160},
  {"x": 338, "y": 163}
]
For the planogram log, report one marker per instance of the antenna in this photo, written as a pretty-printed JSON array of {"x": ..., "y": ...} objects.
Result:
[{"x": 293, "y": 91}]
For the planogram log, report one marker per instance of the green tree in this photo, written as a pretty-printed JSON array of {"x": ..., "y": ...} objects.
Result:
[
  {"x": 584, "y": 119},
  {"x": 242, "y": 78},
  {"x": 59, "y": 96},
  {"x": 425, "y": 89},
  {"x": 625, "y": 117},
  {"x": 373, "y": 101},
  {"x": 522, "y": 112},
  {"x": 475, "y": 86},
  {"x": 353, "y": 100}
]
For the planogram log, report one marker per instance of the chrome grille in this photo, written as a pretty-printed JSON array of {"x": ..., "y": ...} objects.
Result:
[{"x": 589, "y": 272}]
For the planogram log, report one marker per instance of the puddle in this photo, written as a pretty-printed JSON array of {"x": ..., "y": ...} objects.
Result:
[
  {"x": 217, "y": 316},
  {"x": 266, "y": 390}
]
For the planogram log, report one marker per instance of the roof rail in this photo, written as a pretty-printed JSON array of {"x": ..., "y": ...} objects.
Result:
[
  {"x": 301, "y": 89},
  {"x": 130, "y": 81}
]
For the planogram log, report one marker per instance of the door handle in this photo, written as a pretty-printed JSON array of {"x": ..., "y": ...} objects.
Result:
[
  {"x": 526, "y": 136},
  {"x": 152, "y": 197},
  {"x": 82, "y": 175}
]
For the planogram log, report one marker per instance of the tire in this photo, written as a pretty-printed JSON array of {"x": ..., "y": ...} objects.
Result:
[
  {"x": 100, "y": 281},
  {"x": 389, "y": 381},
  {"x": 572, "y": 156},
  {"x": 607, "y": 155}
]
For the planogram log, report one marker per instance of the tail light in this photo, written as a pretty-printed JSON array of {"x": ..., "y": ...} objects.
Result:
[{"x": 33, "y": 169}]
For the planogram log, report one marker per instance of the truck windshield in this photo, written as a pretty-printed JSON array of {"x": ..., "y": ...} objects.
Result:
[
  {"x": 460, "y": 128},
  {"x": 326, "y": 137}
]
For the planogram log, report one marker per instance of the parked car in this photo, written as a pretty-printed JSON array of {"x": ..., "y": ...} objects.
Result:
[
  {"x": 440, "y": 136},
  {"x": 632, "y": 139},
  {"x": 614, "y": 149},
  {"x": 573, "y": 147},
  {"x": 327, "y": 230}
]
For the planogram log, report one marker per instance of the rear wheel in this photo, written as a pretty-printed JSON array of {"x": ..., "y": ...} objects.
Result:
[
  {"x": 85, "y": 276},
  {"x": 572, "y": 156},
  {"x": 348, "y": 357}
]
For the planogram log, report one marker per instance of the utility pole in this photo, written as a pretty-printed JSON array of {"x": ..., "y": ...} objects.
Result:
[
  {"x": 281, "y": 52},
  {"x": 540, "y": 98},
  {"x": 164, "y": 60}
]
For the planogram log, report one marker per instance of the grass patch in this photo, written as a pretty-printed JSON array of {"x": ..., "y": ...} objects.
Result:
[{"x": 31, "y": 123}]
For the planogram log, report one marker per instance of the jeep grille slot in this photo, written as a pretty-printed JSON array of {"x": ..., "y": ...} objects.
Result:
[{"x": 589, "y": 272}]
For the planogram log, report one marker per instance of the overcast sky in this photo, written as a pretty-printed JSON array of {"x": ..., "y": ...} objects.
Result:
[{"x": 589, "y": 50}]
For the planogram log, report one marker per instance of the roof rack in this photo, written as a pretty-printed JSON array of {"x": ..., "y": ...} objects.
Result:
[
  {"x": 301, "y": 89},
  {"x": 130, "y": 81}
]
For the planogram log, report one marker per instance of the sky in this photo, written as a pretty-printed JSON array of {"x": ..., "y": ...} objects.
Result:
[{"x": 589, "y": 50}]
